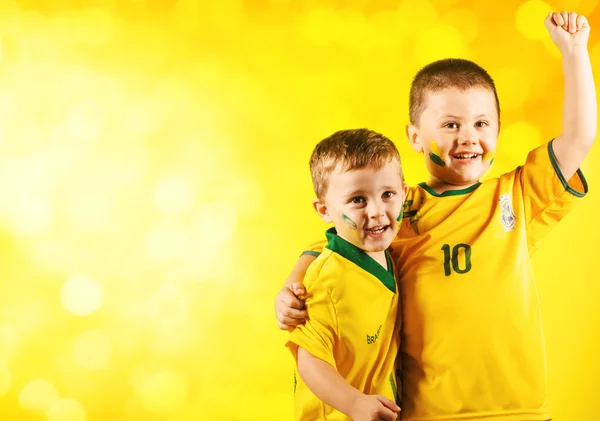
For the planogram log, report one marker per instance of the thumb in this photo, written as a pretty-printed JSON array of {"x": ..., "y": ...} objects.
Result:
[
  {"x": 298, "y": 289},
  {"x": 388, "y": 403}
]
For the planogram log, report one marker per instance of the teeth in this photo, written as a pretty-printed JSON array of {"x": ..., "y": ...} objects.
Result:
[
  {"x": 376, "y": 229},
  {"x": 465, "y": 156}
]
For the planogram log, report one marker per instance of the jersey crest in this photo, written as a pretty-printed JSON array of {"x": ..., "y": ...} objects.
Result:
[{"x": 507, "y": 215}]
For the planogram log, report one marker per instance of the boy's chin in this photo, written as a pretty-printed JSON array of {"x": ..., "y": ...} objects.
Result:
[
  {"x": 376, "y": 248},
  {"x": 466, "y": 180}
]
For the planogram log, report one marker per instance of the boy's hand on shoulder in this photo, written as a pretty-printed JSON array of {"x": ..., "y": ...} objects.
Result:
[
  {"x": 374, "y": 408},
  {"x": 568, "y": 30}
]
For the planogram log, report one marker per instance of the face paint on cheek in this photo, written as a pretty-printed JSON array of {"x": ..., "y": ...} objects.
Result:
[
  {"x": 352, "y": 225},
  {"x": 348, "y": 221},
  {"x": 399, "y": 218},
  {"x": 435, "y": 154},
  {"x": 400, "y": 215},
  {"x": 489, "y": 156}
]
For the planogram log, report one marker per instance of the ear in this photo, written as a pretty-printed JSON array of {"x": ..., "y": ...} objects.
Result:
[
  {"x": 321, "y": 209},
  {"x": 413, "y": 138},
  {"x": 404, "y": 192}
]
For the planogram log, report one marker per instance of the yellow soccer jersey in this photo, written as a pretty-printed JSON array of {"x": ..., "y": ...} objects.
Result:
[
  {"x": 472, "y": 342},
  {"x": 354, "y": 325}
]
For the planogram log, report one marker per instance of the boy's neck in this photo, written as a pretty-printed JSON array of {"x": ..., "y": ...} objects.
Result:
[
  {"x": 440, "y": 186},
  {"x": 379, "y": 257}
]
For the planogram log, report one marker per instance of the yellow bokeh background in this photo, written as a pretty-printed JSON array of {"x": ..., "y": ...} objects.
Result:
[{"x": 155, "y": 193}]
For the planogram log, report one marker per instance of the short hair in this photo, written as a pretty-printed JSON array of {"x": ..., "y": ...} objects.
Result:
[
  {"x": 351, "y": 149},
  {"x": 447, "y": 73}
]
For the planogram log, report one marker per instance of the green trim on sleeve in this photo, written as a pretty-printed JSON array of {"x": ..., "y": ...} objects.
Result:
[
  {"x": 311, "y": 253},
  {"x": 360, "y": 258},
  {"x": 460, "y": 192},
  {"x": 562, "y": 178}
]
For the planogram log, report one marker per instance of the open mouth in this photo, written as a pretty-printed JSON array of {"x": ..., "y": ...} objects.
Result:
[
  {"x": 377, "y": 230},
  {"x": 466, "y": 156}
]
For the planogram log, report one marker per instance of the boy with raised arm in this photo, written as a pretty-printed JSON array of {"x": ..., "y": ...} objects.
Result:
[{"x": 472, "y": 343}]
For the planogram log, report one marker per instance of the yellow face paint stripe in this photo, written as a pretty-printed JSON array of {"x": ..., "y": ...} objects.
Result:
[
  {"x": 435, "y": 154},
  {"x": 489, "y": 156}
]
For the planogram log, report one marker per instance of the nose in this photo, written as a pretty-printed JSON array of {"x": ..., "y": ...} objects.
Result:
[
  {"x": 376, "y": 208},
  {"x": 468, "y": 136}
]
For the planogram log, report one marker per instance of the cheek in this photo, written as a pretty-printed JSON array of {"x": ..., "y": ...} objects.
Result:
[
  {"x": 490, "y": 150},
  {"x": 489, "y": 156},
  {"x": 435, "y": 154},
  {"x": 347, "y": 220},
  {"x": 400, "y": 215}
]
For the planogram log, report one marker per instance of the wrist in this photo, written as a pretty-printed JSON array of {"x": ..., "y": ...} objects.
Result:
[
  {"x": 574, "y": 50},
  {"x": 354, "y": 403}
]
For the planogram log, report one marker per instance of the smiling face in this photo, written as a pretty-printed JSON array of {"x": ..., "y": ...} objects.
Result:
[
  {"x": 365, "y": 205},
  {"x": 457, "y": 134}
]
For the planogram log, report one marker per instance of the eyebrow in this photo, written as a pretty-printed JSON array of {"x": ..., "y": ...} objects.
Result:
[
  {"x": 458, "y": 118},
  {"x": 353, "y": 193},
  {"x": 357, "y": 192}
]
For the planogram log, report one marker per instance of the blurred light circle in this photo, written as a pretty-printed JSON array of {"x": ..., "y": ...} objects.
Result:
[
  {"x": 38, "y": 395},
  {"x": 530, "y": 19},
  {"x": 66, "y": 409},
  {"x": 81, "y": 295}
]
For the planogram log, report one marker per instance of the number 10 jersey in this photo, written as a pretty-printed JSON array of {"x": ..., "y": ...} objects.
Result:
[{"x": 472, "y": 343}]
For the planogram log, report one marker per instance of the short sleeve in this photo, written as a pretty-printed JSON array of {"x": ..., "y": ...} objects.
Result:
[
  {"x": 315, "y": 249},
  {"x": 547, "y": 196},
  {"x": 318, "y": 334}
]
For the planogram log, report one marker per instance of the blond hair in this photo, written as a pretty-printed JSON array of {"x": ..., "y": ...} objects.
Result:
[{"x": 350, "y": 149}]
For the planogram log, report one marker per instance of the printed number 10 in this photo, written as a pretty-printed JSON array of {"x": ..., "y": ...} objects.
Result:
[{"x": 453, "y": 257}]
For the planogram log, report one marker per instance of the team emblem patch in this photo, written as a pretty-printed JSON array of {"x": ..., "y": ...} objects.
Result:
[{"x": 507, "y": 216}]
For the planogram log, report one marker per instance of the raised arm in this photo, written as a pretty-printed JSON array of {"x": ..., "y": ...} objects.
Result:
[{"x": 570, "y": 33}]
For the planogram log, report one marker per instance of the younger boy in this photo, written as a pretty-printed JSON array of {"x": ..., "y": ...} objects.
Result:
[
  {"x": 346, "y": 351},
  {"x": 472, "y": 342}
]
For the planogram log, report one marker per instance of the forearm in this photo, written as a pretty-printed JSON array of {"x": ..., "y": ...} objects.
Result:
[
  {"x": 580, "y": 109},
  {"x": 299, "y": 270},
  {"x": 326, "y": 383}
]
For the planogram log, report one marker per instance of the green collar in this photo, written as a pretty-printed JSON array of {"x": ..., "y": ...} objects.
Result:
[
  {"x": 432, "y": 192},
  {"x": 360, "y": 258}
]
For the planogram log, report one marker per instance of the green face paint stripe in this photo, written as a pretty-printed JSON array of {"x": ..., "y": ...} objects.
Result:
[
  {"x": 348, "y": 221},
  {"x": 436, "y": 159},
  {"x": 492, "y": 161},
  {"x": 399, "y": 218}
]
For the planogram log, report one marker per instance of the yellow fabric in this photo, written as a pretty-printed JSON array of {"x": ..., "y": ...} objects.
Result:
[
  {"x": 353, "y": 325},
  {"x": 473, "y": 345}
]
